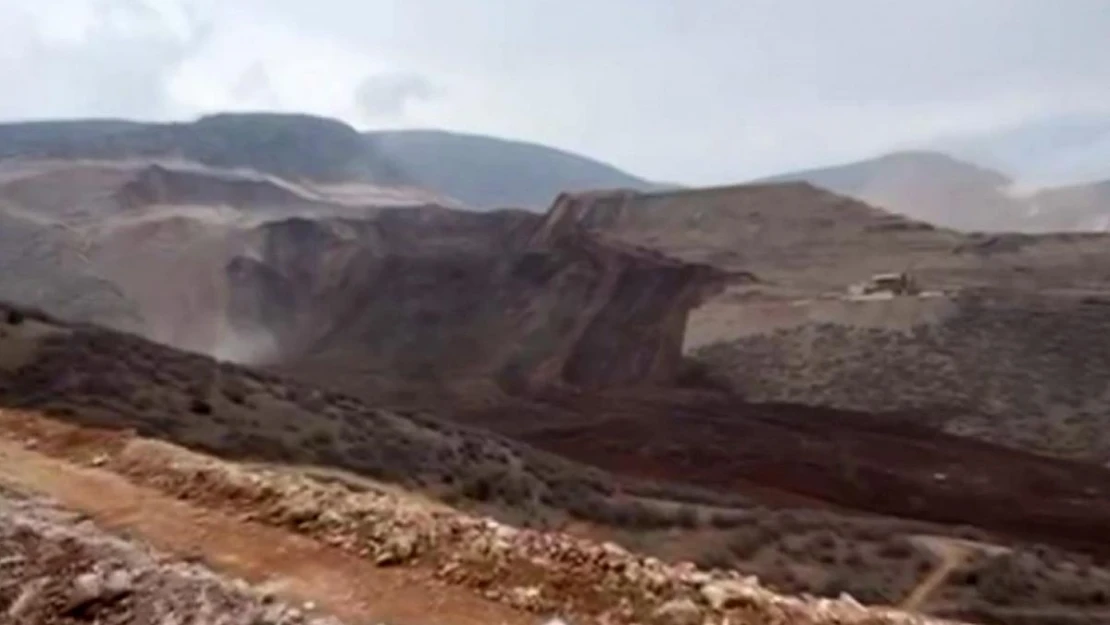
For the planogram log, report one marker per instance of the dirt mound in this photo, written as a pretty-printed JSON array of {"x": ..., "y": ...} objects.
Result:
[{"x": 1025, "y": 370}]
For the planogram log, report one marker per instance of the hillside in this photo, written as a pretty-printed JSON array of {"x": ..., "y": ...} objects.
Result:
[
  {"x": 937, "y": 188},
  {"x": 107, "y": 395},
  {"x": 1026, "y": 370},
  {"x": 359, "y": 551},
  {"x": 485, "y": 172},
  {"x": 532, "y": 367},
  {"x": 801, "y": 240},
  {"x": 795, "y": 335},
  {"x": 291, "y": 146}
]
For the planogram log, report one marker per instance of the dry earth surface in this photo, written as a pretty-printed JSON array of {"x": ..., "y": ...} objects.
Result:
[
  {"x": 531, "y": 368},
  {"x": 366, "y": 554},
  {"x": 93, "y": 378}
]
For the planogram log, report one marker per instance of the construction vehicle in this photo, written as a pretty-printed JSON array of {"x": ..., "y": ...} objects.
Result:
[{"x": 892, "y": 283}]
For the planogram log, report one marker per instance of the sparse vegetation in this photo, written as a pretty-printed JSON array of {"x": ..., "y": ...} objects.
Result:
[{"x": 90, "y": 376}]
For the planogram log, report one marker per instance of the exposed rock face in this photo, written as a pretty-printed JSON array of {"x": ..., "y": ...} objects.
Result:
[{"x": 482, "y": 296}]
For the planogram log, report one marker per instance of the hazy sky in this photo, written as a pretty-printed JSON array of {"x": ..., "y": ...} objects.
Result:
[{"x": 693, "y": 91}]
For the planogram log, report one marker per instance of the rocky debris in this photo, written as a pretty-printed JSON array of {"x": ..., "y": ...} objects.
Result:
[
  {"x": 541, "y": 572},
  {"x": 57, "y": 570},
  {"x": 678, "y": 612}
]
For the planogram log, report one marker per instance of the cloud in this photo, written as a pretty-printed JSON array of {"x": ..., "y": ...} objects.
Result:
[
  {"x": 95, "y": 58},
  {"x": 390, "y": 94},
  {"x": 707, "y": 92}
]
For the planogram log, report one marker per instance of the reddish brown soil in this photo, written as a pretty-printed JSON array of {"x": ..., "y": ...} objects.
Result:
[{"x": 803, "y": 455}]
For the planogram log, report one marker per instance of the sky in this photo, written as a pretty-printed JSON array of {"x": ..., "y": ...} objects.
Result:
[{"x": 688, "y": 91}]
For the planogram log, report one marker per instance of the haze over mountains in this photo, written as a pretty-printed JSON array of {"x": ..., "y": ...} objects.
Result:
[
  {"x": 481, "y": 172},
  {"x": 484, "y": 172}
]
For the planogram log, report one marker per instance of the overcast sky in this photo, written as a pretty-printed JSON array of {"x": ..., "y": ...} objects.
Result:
[{"x": 692, "y": 91}]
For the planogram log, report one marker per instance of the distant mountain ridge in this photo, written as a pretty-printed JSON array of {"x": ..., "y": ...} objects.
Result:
[
  {"x": 943, "y": 190},
  {"x": 482, "y": 172},
  {"x": 490, "y": 172}
]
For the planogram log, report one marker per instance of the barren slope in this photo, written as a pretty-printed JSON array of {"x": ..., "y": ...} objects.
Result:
[
  {"x": 1012, "y": 360},
  {"x": 1025, "y": 370},
  {"x": 144, "y": 246},
  {"x": 801, "y": 240},
  {"x": 87, "y": 376}
]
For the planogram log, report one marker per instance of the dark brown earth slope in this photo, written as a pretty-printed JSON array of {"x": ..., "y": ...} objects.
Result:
[{"x": 443, "y": 297}]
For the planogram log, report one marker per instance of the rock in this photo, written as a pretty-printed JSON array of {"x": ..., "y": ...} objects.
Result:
[
  {"x": 91, "y": 588},
  {"x": 525, "y": 597},
  {"x": 678, "y": 612},
  {"x": 726, "y": 594},
  {"x": 851, "y": 601},
  {"x": 118, "y": 582},
  {"x": 86, "y": 588},
  {"x": 398, "y": 550},
  {"x": 26, "y": 598}
]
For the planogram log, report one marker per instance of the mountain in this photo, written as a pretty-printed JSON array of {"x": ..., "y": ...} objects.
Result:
[
  {"x": 938, "y": 188},
  {"x": 928, "y": 186},
  {"x": 485, "y": 172},
  {"x": 684, "y": 372},
  {"x": 1050, "y": 151},
  {"x": 482, "y": 172},
  {"x": 291, "y": 146}
]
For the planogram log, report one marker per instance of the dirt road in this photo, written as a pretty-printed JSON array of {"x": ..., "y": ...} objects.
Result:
[{"x": 295, "y": 568}]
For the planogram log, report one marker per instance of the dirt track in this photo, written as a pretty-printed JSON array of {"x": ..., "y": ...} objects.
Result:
[{"x": 295, "y": 568}]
